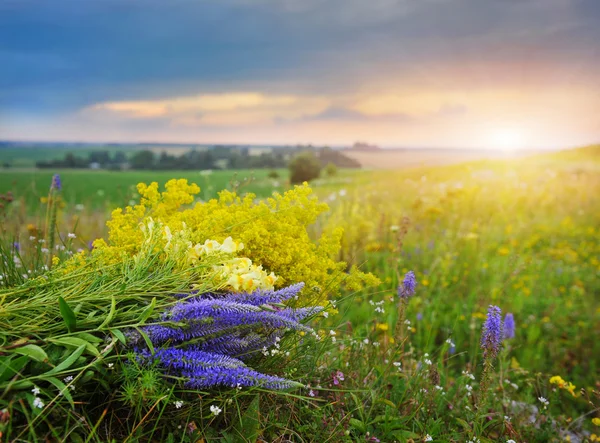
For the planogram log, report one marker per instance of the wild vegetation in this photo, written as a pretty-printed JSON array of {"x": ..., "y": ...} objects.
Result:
[{"x": 452, "y": 304}]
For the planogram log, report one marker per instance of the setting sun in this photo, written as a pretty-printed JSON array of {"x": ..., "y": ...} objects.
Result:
[{"x": 506, "y": 139}]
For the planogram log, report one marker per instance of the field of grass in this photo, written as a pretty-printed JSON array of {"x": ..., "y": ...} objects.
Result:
[
  {"x": 99, "y": 189},
  {"x": 522, "y": 234},
  {"x": 26, "y": 157}
]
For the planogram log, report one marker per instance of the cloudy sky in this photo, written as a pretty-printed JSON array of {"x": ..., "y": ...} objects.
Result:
[{"x": 443, "y": 73}]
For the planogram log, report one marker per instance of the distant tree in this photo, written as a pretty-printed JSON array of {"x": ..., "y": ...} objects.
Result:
[
  {"x": 273, "y": 174},
  {"x": 304, "y": 167},
  {"x": 70, "y": 160},
  {"x": 119, "y": 157},
  {"x": 142, "y": 160},
  {"x": 331, "y": 170}
]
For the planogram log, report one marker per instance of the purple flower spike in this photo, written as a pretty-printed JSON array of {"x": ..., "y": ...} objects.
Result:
[
  {"x": 491, "y": 339},
  {"x": 56, "y": 183},
  {"x": 206, "y": 338},
  {"x": 509, "y": 326},
  {"x": 408, "y": 286}
]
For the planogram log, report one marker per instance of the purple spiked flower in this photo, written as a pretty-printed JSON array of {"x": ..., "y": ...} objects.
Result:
[
  {"x": 56, "y": 183},
  {"x": 204, "y": 338},
  {"x": 491, "y": 339},
  {"x": 408, "y": 286},
  {"x": 509, "y": 326}
]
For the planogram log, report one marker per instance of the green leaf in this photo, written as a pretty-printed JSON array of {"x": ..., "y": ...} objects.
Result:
[
  {"x": 358, "y": 425},
  {"x": 89, "y": 337},
  {"x": 68, "y": 362},
  {"x": 464, "y": 424},
  {"x": 148, "y": 311},
  {"x": 146, "y": 339},
  {"x": 120, "y": 336},
  {"x": 33, "y": 351},
  {"x": 76, "y": 342},
  {"x": 111, "y": 313},
  {"x": 10, "y": 368},
  {"x": 67, "y": 314},
  {"x": 62, "y": 388},
  {"x": 247, "y": 428}
]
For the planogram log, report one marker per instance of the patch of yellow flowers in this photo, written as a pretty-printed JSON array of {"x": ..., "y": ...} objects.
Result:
[
  {"x": 562, "y": 384},
  {"x": 272, "y": 233}
]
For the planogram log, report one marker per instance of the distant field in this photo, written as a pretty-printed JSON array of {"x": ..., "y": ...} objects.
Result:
[
  {"x": 397, "y": 159},
  {"x": 26, "y": 157},
  {"x": 105, "y": 189}
]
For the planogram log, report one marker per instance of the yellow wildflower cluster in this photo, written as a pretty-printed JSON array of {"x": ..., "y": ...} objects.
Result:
[
  {"x": 273, "y": 234},
  {"x": 567, "y": 386}
]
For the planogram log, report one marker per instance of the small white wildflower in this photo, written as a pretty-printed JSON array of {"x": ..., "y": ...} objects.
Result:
[
  {"x": 439, "y": 388},
  {"x": 178, "y": 404},
  {"x": 287, "y": 353},
  {"x": 215, "y": 410},
  {"x": 397, "y": 364},
  {"x": 394, "y": 228},
  {"x": 42, "y": 241},
  {"x": 311, "y": 393},
  {"x": 32, "y": 237},
  {"x": 38, "y": 403},
  {"x": 71, "y": 235},
  {"x": 371, "y": 302},
  {"x": 274, "y": 351},
  {"x": 510, "y": 441},
  {"x": 428, "y": 362},
  {"x": 332, "y": 333},
  {"x": 366, "y": 341},
  {"x": 544, "y": 401},
  {"x": 110, "y": 365},
  {"x": 376, "y": 344},
  {"x": 68, "y": 379},
  {"x": 380, "y": 310},
  {"x": 238, "y": 387},
  {"x": 428, "y": 438},
  {"x": 469, "y": 388},
  {"x": 407, "y": 322},
  {"x": 507, "y": 418},
  {"x": 265, "y": 351},
  {"x": 35, "y": 390},
  {"x": 325, "y": 314}
]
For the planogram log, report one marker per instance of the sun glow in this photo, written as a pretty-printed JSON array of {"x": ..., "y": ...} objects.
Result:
[{"x": 507, "y": 139}]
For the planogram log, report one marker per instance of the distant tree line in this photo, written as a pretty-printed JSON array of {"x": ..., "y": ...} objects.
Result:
[{"x": 215, "y": 157}]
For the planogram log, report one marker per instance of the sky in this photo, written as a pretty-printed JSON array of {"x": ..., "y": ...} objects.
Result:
[{"x": 397, "y": 73}]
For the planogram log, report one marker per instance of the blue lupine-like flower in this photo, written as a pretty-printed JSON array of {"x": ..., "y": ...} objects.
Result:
[
  {"x": 491, "y": 339},
  {"x": 207, "y": 370},
  {"x": 205, "y": 337},
  {"x": 56, "y": 183},
  {"x": 509, "y": 326},
  {"x": 408, "y": 286}
]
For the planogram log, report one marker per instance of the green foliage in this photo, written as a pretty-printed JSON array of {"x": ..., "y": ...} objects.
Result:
[
  {"x": 331, "y": 170},
  {"x": 304, "y": 167}
]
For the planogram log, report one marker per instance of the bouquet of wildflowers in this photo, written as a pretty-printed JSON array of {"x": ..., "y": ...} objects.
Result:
[{"x": 177, "y": 303}]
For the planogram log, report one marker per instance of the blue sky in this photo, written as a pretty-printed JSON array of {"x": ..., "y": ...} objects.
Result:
[{"x": 394, "y": 72}]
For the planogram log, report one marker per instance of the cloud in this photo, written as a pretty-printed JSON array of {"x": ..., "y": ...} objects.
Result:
[
  {"x": 225, "y": 109},
  {"x": 295, "y": 68}
]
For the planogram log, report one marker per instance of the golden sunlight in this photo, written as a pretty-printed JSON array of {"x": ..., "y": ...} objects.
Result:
[{"x": 506, "y": 139}]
